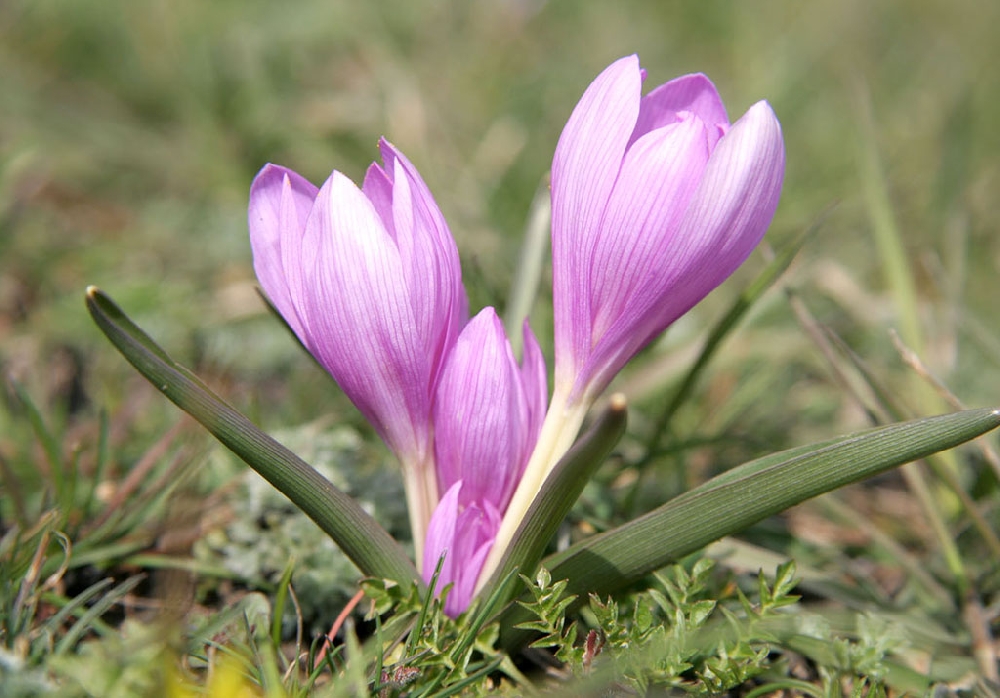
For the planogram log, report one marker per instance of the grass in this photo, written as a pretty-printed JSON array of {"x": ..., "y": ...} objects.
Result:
[{"x": 129, "y": 133}]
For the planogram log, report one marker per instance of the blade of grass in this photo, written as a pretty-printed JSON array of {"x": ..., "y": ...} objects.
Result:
[
  {"x": 900, "y": 280},
  {"x": 100, "y": 465},
  {"x": 103, "y": 603},
  {"x": 497, "y": 597},
  {"x": 888, "y": 408},
  {"x": 280, "y": 598},
  {"x": 49, "y": 444},
  {"x": 529, "y": 266}
]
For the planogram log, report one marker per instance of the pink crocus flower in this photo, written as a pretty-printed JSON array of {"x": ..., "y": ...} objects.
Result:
[
  {"x": 487, "y": 418},
  {"x": 370, "y": 282},
  {"x": 656, "y": 200}
]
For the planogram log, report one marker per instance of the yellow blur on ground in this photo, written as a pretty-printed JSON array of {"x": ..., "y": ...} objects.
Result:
[{"x": 226, "y": 680}]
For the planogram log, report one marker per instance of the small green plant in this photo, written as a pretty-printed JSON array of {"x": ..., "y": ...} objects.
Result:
[
  {"x": 423, "y": 650},
  {"x": 677, "y": 635}
]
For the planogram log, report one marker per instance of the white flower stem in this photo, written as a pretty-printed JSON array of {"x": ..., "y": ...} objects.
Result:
[
  {"x": 559, "y": 430},
  {"x": 420, "y": 483}
]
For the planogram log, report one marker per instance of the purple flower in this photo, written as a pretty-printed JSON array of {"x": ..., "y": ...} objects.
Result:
[
  {"x": 655, "y": 201},
  {"x": 369, "y": 280},
  {"x": 487, "y": 418}
]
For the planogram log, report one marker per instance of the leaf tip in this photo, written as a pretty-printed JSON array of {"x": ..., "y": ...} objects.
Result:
[{"x": 618, "y": 402}]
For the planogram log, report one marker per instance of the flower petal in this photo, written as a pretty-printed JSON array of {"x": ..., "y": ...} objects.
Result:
[
  {"x": 475, "y": 533},
  {"x": 429, "y": 256},
  {"x": 691, "y": 93},
  {"x": 280, "y": 201},
  {"x": 740, "y": 190},
  {"x": 441, "y": 538},
  {"x": 726, "y": 219},
  {"x": 360, "y": 316},
  {"x": 659, "y": 176},
  {"x": 584, "y": 170},
  {"x": 464, "y": 538},
  {"x": 481, "y": 415},
  {"x": 535, "y": 381},
  {"x": 378, "y": 188}
]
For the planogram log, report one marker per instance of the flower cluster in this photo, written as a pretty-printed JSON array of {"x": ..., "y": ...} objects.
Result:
[{"x": 656, "y": 200}]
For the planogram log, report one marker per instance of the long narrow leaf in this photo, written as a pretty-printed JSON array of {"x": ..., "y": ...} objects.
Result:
[
  {"x": 369, "y": 546},
  {"x": 743, "y": 496},
  {"x": 89, "y": 617}
]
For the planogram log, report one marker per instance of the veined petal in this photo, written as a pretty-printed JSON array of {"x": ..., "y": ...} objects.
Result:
[
  {"x": 476, "y": 532},
  {"x": 741, "y": 187},
  {"x": 659, "y": 176},
  {"x": 378, "y": 188},
  {"x": 441, "y": 538},
  {"x": 428, "y": 254},
  {"x": 726, "y": 219},
  {"x": 371, "y": 283},
  {"x": 481, "y": 417},
  {"x": 689, "y": 93},
  {"x": 584, "y": 170},
  {"x": 728, "y": 214},
  {"x": 361, "y": 323},
  {"x": 280, "y": 201},
  {"x": 535, "y": 381},
  {"x": 463, "y": 536},
  {"x": 684, "y": 209},
  {"x": 426, "y": 209}
]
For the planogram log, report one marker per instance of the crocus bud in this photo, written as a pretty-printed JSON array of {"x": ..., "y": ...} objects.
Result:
[
  {"x": 369, "y": 280},
  {"x": 487, "y": 417},
  {"x": 655, "y": 201}
]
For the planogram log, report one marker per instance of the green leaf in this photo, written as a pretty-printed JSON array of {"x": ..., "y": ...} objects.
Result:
[
  {"x": 736, "y": 499},
  {"x": 559, "y": 492},
  {"x": 370, "y": 547}
]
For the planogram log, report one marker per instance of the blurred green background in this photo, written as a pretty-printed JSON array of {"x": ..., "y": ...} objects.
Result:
[{"x": 130, "y": 132}]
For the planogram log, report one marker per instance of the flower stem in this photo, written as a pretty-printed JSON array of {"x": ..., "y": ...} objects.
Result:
[
  {"x": 559, "y": 430},
  {"x": 420, "y": 483}
]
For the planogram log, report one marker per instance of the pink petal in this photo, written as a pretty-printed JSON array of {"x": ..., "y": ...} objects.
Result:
[
  {"x": 584, "y": 170},
  {"x": 280, "y": 201},
  {"x": 428, "y": 254},
  {"x": 688, "y": 93},
  {"x": 378, "y": 188},
  {"x": 361, "y": 323},
  {"x": 726, "y": 219},
  {"x": 474, "y": 537},
  {"x": 638, "y": 249},
  {"x": 741, "y": 187},
  {"x": 464, "y": 538},
  {"x": 481, "y": 415},
  {"x": 441, "y": 538},
  {"x": 536, "y": 389},
  {"x": 659, "y": 176}
]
